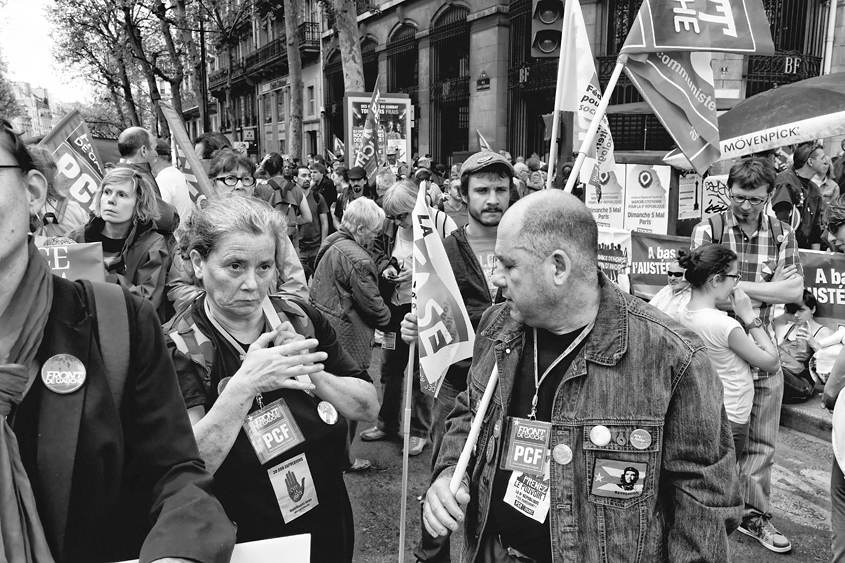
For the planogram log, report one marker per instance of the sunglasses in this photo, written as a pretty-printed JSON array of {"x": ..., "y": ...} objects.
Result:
[
  {"x": 232, "y": 180},
  {"x": 400, "y": 217},
  {"x": 675, "y": 274}
]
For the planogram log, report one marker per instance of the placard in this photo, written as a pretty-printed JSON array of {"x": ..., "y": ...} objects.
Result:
[
  {"x": 651, "y": 256},
  {"x": 606, "y": 200},
  {"x": 290, "y": 549},
  {"x": 394, "y": 125},
  {"x": 646, "y": 198},
  {"x": 614, "y": 255},
  {"x": 690, "y": 190},
  {"x": 82, "y": 261}
]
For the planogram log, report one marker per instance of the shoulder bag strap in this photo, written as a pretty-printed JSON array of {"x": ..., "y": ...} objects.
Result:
[{"x": 112, "y": 328}]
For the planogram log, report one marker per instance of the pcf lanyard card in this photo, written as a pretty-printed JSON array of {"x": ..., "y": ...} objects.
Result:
[
  {"x": 527, "y": 443},
  {"x": 272, "y": 430}
]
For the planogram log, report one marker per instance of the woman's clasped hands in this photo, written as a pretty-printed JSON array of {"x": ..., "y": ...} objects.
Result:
[{"x": 267, "y": 368}]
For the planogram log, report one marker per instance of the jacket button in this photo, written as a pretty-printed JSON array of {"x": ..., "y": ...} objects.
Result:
[{"x": 507, "y": 350}]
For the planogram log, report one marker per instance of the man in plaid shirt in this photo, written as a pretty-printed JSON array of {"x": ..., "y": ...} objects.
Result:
[{"x": 770, "y": 273}]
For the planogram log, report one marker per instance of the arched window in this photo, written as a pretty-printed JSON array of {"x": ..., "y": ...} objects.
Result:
[{"x": 449, "y": 86}]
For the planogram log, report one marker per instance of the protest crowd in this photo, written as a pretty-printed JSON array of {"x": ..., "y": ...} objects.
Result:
[{"x": 204, "y": 382}]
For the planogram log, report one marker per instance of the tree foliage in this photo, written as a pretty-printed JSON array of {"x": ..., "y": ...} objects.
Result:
[{"x": 9, "y": 107}]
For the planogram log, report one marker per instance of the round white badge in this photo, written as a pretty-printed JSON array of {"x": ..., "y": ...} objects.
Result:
[
  {"x": 327, "y": 412},
  {"x": 562, "y": 454},
  {"x": 600, "y": 435},
  {"x": 63, "y": 374},
  {"x": 640, "y": 439}
]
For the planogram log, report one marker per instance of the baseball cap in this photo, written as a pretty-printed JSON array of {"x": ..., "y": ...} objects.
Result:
[
  {"x": 483, "y": 159},
  {"x": 391, "y": 150},
  {"x": 357, "y": 173}
]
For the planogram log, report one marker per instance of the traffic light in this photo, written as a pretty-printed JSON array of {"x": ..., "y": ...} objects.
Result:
[{"x": 546, "y": 28}]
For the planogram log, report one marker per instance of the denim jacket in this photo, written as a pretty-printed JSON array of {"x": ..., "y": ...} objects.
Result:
[{"x": 638, "y": 370}]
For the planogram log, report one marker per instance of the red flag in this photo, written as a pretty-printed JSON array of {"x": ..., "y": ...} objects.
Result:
[
  {"x": 734, "y": 26},
  {"x": 368, "y": 153},
  {"x": 186, "y": 159},
  {"x": 445, "y": 332},
  {"x": 679, "y": 88},
  {"x": 79, "y": 163},
  {"x": 482, "y": 142}
]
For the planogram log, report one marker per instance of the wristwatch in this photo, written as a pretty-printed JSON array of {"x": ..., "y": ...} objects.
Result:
[{"x": 756, "y": 323}]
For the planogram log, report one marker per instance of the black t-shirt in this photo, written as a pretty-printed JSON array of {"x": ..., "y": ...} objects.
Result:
[
  {"x": 242, "y": 483},
  {"x": 517, "y": 530}
]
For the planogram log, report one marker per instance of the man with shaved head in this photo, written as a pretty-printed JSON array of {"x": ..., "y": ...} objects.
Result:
[{"x": 593, "y": 383}]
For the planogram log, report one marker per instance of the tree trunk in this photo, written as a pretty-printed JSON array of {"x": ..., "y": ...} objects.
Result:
[
  {"x": 193, "y": 56},
  {"x": 115, "y": 100},
  {"x": 133, "y": 34},
  {"x": 346, "y": 20},
  {"x": 128, "y": 97},
  {"x": 230, "y": 100},
  {"x": 175, "y": 79},
  {"x": 295, "y": 77}
]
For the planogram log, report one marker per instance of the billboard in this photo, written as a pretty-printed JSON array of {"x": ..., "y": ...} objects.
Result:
[{"x": 394, "y": 129}]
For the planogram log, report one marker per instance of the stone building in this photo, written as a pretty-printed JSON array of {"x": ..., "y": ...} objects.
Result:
[{"x": 466, "y": 66}]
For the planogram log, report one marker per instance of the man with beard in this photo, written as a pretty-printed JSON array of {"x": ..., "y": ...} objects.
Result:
[
  {"x": 323, "y": 185},
  {"x": 486, "y": 179},
  {"x": 312, "y": 233},
  {"x": 357, "y": 180}
]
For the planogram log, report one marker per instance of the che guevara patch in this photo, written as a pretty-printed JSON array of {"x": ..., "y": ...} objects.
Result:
[{"x": 618, "y": 479}]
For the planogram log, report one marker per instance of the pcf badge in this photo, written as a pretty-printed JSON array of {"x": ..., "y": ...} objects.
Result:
[
  {"x": 640, "y": 439},
  {"x": 63, "y": 374}
]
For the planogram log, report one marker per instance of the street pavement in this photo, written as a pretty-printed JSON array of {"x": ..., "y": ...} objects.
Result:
[{"x": 800, "y": 499}]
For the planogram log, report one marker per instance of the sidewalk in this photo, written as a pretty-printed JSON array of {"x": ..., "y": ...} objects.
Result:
[{"x": 810, "y": 418}]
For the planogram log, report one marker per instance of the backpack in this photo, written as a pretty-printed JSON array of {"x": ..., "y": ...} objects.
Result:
[
  {"x": 190, "y": 340},
  {"x": 717, "y": 225},
  {"x": 111, "y": 308}
]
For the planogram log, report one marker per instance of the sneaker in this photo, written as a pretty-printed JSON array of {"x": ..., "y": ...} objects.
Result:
[
  {"x": 417, "y": 445},
  {"x": 373, "y": 434},
  {"x": 761, "y": 529}
]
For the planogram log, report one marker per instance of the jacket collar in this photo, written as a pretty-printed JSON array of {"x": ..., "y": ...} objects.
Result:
[{"x": 607, "y": 342}]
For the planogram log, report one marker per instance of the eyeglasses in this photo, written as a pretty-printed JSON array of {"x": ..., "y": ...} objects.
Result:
[
  {"x": 675, "y": 274},
  {"x": 400, "y": 217},
  {"x": 10, "y": 166},
  {"x": 232, "y": 180},
  {"x": 734, "y": 276},
  {"x": 740, "y": 199}
]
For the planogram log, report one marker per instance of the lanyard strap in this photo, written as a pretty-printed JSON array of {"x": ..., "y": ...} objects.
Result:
[{"x": 539, "y": 380}]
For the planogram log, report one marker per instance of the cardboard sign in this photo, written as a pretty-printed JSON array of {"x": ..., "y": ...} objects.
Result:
[{"x": 82, "y": 261}]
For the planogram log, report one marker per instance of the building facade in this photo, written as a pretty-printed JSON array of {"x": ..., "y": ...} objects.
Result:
[
  {"x": 467, "y": 67},
  {"x": 41, "y": 111}
]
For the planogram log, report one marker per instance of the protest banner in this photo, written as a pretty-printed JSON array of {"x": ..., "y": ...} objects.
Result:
[
  {"x": 614, "y": 255},
  {"x": 82, "y": 261},
  {"x": 824, "y": 275},
  {"x": 80, "y": 166},
  {"x": 647, "y": 198},
  {"x": 651, "y": 255}
]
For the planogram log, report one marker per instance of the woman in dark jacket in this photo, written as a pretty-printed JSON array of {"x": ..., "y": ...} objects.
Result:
[
  {"x": 135, "y": 255},
  {"x": 345, "y": 288}
]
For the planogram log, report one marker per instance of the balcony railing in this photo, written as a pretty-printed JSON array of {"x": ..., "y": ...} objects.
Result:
[
  {"x": 309, "y": 35},
  {"x": 274, "y": 51},
  {"x": 217, "y": 78},
  {"x": 784, "y": 67}
]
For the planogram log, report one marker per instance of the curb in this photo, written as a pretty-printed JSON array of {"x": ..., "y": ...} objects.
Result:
[{"x": 810, "y": 418}]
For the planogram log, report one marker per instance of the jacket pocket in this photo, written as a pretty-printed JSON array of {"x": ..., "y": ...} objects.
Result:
[{"x": 622, "y": 472}]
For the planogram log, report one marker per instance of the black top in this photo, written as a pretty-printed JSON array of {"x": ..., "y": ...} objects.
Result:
[
  {"x": 242, "y": 483},
  {"x": 517, "y": 530}
]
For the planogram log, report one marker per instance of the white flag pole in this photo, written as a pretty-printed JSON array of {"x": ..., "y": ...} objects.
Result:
[
  {"x": 474, "y": 431},
  {"x": 594, "y": 125},
  {"x": 561, "y": 72},
  {"x": 406, "y": 431}
]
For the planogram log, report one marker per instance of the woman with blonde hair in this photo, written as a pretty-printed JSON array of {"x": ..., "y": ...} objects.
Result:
[{"x": 135, "y": 255}]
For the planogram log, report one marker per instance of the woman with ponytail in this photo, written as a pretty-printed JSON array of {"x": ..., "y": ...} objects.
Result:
[{"x": 711, "y": 271}]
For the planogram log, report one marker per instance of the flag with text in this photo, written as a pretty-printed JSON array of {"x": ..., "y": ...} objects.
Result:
[
  {"x": 445, "y": 332},
  {"x": 368, "y": 154}
]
